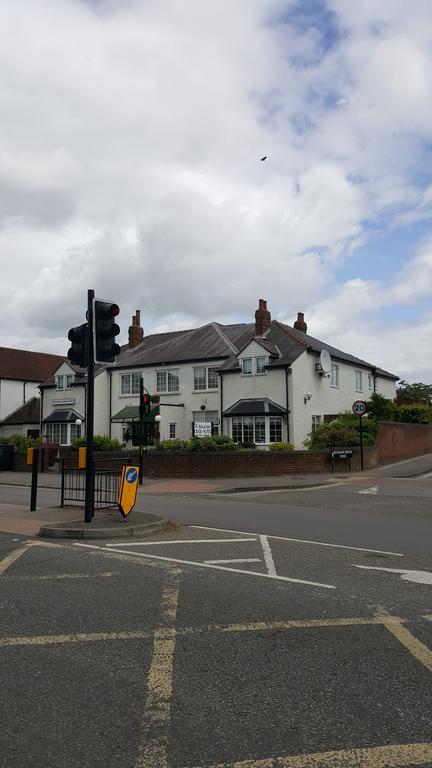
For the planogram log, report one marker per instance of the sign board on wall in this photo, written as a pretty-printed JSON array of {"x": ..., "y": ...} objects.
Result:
[{"x": 202, "y": 429}]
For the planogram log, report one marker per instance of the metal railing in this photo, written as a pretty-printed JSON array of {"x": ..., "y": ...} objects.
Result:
[{"x": 106, "y": 487}]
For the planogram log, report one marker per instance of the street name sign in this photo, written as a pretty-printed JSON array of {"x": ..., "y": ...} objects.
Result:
[{"x": 128, "y": 490}]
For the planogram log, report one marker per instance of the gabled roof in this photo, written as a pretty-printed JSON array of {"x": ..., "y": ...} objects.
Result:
[
  {"x": 23, "y": 365},
  {"x": 209, "y": 342},
  {"x": 28, "y": 413}
]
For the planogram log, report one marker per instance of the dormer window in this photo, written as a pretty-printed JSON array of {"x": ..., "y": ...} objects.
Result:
[
  {"x": 64, "y": 381},
  {"x": 247, "y": 366},
  {"x": 260, "y": 363},
  {"x": 60, "y": 382}
]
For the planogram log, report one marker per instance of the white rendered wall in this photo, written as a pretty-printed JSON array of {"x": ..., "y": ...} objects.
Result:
[
  {"x": 326, "y": 399},
  {"x": 14, "y": 393}
]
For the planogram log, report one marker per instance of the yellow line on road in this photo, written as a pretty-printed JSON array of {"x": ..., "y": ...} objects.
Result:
[
  {"x": 302, "y": 624},
  {"x": 153, "y": 750},
  {"x": 392, "y": 756},
  {"x": 9, "y": 559},
  {"x": 103, "y": 574},
  {"x": 418, "y": 649},
  {"x": 80, "y": 637}
]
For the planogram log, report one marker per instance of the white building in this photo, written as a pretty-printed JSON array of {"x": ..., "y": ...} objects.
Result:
[
  {"x": 258, "y": 382},
  {"x": 21, "y": 372}
]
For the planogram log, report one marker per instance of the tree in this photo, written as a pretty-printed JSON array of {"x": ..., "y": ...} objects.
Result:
[{"x": 414, "y": 393}]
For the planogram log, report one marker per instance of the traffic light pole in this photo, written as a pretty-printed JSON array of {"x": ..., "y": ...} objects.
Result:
[
  {"x": 89, "y": 487},
  {"x": 141, "y": 423}
]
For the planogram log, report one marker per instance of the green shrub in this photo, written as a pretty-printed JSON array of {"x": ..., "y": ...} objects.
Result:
[
  {"x": 380, "y": 408},
  {"x": 198, "y": 444},
  {"x": 415, "y": 414},
  {"x": 247, "y": 446},
  {"x": 21, "y": 442},
  {"x": 100, "y": 443},
  {"x": 369, "y": 426},
  {"x": 281, "y": 446},
  {"x": 171, "y": 445},
  {"x": 332, "y": 435}
]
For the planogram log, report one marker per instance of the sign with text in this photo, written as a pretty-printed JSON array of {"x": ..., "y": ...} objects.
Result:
[
  {"x": 359, "y": 407},
  {"x": 128, "y": 490},
  {"x": 202, "y": 428}
]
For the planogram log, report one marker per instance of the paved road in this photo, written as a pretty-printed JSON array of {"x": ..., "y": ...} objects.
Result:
[{"x": 203, "y": 648}]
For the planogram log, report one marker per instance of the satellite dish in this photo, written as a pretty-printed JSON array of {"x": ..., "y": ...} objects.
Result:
[{"x": 325, "y": 361}]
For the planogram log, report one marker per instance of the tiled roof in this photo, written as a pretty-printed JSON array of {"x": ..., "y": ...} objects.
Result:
[
  {"x": 23, "y": 365},
  {"x": 28, "y": 413},
  {"x": 255, "y": 407}
]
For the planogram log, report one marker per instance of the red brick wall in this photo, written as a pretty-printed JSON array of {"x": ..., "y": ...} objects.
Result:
[
  {"x": 402, "y": 441},
  {"x": 395, "y": 442}
]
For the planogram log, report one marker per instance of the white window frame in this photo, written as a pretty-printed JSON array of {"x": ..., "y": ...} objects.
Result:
[
  {"x": 65, "y": 431},
  {"x": 204, "y": 379},
  {"x": 69, "y": 380},
  {"x": 370, "y": 380},
  {"x": 133, "y": 379},
  {"x": 358, "y": 380},
  {"x": 167, "y": 390},
  {"x": 255, "y": 427},
  {"x": 62, "y": 378},
  {"x": 316, "y": 422},
  {"x": 263, "y": 372},
  {"x": 243, "y": 361},
  {"x": 172, "y": 429},
  {"x": 334, "y": 375}
]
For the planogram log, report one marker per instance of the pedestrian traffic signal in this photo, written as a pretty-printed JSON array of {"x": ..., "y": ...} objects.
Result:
[
  {"x": 105, "y": 347},
  {"x": 77, "y": 354},
  {"x": 145, "y": 405}
]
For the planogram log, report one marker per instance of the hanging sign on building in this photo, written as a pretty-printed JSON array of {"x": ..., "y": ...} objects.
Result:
[
  {"x": 202, "y": 428},
  {"x": 128, "y": 490}
]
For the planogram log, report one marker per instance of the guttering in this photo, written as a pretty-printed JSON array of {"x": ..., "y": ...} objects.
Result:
[
  {"x": 221, "y": 402},
  {"x": 287, "y": 373}
]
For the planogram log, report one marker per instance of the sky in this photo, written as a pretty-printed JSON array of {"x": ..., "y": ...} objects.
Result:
[{"x": 131, "y": 133}]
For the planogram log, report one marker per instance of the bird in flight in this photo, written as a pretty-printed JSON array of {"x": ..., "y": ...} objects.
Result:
[{"x": 263, "y": 158}]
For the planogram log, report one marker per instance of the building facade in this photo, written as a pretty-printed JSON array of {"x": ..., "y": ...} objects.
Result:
[{"x": 259, "y": 383}]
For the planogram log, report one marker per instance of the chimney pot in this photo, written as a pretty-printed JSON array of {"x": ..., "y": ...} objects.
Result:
[
  {"x": 262, "y": 318},
  {"x": 300, "y": 324},
  {"x": 136, "y": 333}
]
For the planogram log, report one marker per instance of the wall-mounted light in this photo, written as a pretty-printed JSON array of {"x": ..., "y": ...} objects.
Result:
[{"x": 307, "y": 396}]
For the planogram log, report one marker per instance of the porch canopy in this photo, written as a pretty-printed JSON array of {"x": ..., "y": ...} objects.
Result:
[
  {"x": 56, "y": 417},
  {"x": 131, "y": 413},
  {"x": 262, "y": 406}
]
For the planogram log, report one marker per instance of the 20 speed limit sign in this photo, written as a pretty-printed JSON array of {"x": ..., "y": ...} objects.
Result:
[{"x": 359, "y": 408}]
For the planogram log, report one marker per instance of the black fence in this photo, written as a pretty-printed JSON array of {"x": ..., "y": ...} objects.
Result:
[{"x": 73, "y": 483}]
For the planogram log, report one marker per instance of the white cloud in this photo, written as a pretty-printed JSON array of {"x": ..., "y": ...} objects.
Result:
[{"x": 129, "y": 159}]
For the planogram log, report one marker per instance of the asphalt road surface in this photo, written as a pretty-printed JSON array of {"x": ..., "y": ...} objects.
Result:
[{"x": 300, "y": 637}]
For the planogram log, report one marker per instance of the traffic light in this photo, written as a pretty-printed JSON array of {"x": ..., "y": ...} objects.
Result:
[
  {"x": 77, "y": 354},
  {"x": 145, "y": 405},
  {"x": 105, "y": 347}
]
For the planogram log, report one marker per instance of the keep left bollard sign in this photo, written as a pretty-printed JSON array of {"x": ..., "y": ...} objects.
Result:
[{"x": 128, "y": 490}]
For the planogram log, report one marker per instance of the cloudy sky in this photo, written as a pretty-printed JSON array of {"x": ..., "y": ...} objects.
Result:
[{"x": 131, "y": 133}]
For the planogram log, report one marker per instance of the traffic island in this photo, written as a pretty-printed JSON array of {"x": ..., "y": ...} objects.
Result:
[{"x": 107, "y": 523}]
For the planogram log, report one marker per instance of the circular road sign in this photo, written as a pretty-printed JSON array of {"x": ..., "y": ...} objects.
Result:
[{"x": 359, "y": 408}]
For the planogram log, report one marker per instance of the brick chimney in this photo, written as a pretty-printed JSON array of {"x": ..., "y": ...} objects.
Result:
[
  {"x": 262, "y": 318},
  {"x": 300, "y": 324},
  {"x": 136, "y": 333}
]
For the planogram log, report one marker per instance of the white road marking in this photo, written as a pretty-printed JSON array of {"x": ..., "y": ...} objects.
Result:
[
  {"x": 207, "y": 565},
  {"x": 373, "y": 489},
  {"x": 418, "y": 577},
  {"x": 268, "y": 557},
  {"x": 178, "y": 541},
  {"x": 300, "y": 541},
  {"x": 240, "y": 560}
]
